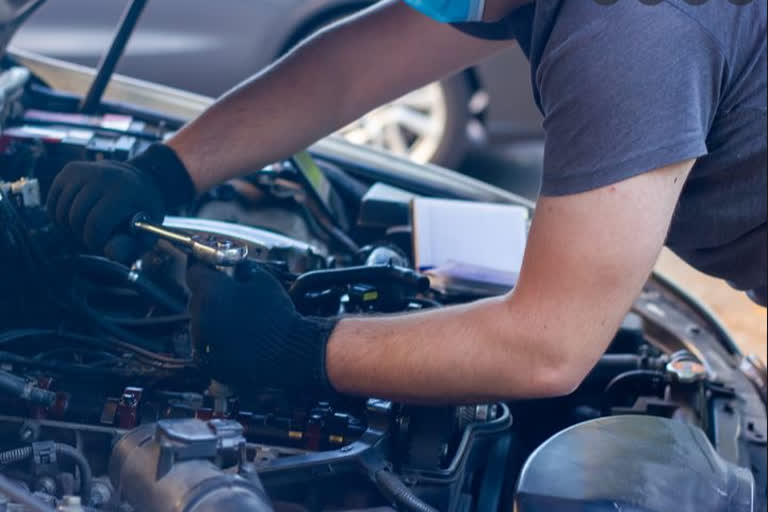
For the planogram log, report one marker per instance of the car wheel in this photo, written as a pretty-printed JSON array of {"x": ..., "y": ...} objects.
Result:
[{"x": 426, "y": 125}]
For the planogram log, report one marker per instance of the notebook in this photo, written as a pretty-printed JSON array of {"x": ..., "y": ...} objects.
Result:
[{"x": 467, "y": 247}]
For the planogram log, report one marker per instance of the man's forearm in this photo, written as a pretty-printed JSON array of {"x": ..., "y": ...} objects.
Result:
[
  {"x": 470, "y": 353},
  {"x": 330, "y": 80}
]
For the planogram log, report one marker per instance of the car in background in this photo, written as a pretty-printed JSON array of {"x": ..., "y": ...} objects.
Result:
[{"x": 177, "y": 46}]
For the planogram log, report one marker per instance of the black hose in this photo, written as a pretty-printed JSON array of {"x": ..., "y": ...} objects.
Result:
[
  {"x": 150, "y": 321},
  {"x": 86, "y": 475},
  {"x": 115, "y": 330},
  {"x": 492, "y": 484},
  {"x": 19, "y": 495},
  {"x": 649, "y": 380},
  {"x": 24, "y": 390},
  {"x": 64, "y": 450},
  {"x": 611, "y": 365},
  {"x": 101, "y": 357},
  {"x": 322, "y": 279},
  {"x": 20, "y": 242},
  {"x": 394, "y": 489},
  {"x": 133, "y": 279},
  {"x": 349, "y": 189}
]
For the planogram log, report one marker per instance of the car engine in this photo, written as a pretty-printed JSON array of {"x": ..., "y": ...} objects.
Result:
[{"x": 101, "y": 406}]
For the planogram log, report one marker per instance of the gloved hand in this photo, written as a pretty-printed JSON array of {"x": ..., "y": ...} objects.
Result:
[
  {"x": 250, "y": 335},
  {"x": 95, "y": 200}
]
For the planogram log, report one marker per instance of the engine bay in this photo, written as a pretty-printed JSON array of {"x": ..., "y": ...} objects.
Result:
[{"x": 101, "y": 406}]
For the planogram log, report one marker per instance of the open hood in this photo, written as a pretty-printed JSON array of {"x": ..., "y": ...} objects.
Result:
[{"x": 12, "y": 14}]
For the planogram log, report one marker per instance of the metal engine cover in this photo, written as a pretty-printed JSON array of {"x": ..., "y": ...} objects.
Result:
[{"x": 632, "y": 464}]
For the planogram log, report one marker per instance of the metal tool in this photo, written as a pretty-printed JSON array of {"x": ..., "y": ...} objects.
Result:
[{"x": 214, "y": 251}]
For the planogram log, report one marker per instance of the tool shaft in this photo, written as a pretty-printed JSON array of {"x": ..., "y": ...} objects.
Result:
[
  {"x": 166, "y": 234},
  {"x": 222, "y": 253}
]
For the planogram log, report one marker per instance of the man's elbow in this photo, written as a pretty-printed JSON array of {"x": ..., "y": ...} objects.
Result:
[
  {"x": 549, "y": 359},
  {"x": 562, "y": 372},
  {"x": 555, "y": 380}
]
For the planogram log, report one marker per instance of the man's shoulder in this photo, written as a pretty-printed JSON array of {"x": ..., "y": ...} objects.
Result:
[
  {"x": 611, "y": 43},
  {"x": 732, "y": 25}
]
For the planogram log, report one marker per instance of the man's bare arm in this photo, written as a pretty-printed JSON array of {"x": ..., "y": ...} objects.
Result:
[
  {"x": 328, "y": 81},
  {"x": 588, "y": 256}
]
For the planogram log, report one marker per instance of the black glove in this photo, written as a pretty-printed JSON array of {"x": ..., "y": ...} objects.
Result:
[
  {"x": 250, "y": 335},
  {"x": 96, "y": 199}
]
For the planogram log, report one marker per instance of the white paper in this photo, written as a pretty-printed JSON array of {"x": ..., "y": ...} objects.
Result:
[{"x": 482, "y": 242}]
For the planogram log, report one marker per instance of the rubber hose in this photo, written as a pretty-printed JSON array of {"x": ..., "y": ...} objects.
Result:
[
  {"x": 640, "y": 380},
  {"x": 23, "y": 390},
  {"x": 369, "y": 274},
  {"x": 86, "y": 475},
  {"x": 109, "y": 268},
  {"x": 64, "y": 450},
  {"x": 611, "y": 365},
  {"x": 394, "y": 488}
]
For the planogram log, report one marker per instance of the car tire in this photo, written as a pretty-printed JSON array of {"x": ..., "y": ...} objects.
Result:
[
  {"x": 426, "y": 125},
  {"x": 454, "y": 144}
]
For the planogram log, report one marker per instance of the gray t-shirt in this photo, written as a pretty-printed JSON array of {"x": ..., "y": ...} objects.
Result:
[{"x": 627, "y": 87}]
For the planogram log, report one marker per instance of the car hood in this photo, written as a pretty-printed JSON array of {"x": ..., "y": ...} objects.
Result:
[{"x": 12, "y": 14}]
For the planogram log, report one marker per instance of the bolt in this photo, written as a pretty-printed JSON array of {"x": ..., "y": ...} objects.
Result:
[
  {"x": 28, "y": 432},
  {"x": 46, "y": 485},
  {"x": 101, "y": 493}
]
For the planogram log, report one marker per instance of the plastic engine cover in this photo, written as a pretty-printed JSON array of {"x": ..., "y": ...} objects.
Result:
[{"x": 632, "y": 464}]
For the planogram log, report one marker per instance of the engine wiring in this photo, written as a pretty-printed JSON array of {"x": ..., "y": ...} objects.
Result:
[
  {"x": 141, "y": 354},
  {"x": 114, "y": 334}
]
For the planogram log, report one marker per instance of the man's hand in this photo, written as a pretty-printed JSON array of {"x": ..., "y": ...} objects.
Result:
[
  {"x": 250, "y": 335},
  {"x": 96, "y": 200}
]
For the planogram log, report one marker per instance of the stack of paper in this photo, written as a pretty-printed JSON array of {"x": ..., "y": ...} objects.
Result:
[{"x": 467, "y": 247}]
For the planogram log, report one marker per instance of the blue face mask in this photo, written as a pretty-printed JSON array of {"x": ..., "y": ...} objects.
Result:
[{"x": 450, "y": 11}]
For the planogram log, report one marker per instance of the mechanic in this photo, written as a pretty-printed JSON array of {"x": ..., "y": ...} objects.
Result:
[{"x": 655, "y": 119}]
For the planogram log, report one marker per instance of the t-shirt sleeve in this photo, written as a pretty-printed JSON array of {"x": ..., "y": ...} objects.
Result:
[
  {"x": 632, "y": 89},
  {"x": 515, "y": 25}
]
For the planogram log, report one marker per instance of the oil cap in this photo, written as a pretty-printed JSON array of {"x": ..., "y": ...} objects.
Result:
[{"x": 686, "y": 371}]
